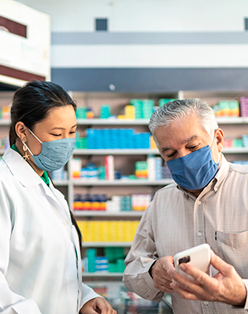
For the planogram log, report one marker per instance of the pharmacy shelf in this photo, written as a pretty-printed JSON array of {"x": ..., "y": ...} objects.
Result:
[
  {"x": 232, "y": 120},
  {"x": 85, "y": 182},
  {"x": 102, "y": 274},
  {"x": 106, "y": 244},
  {"x": 108, "y": 122},
  {"x": 131, "y": 151},
  {"x": 220, "y": 120},
  {"x": 61, "y": 182},
  {"x": 4, "y": 122},
  {"x": 103, "y": 213},
  {"x": 235, "y": 150}
]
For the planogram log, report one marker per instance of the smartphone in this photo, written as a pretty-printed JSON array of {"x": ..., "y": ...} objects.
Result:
[{"x": 198, "y": 256}]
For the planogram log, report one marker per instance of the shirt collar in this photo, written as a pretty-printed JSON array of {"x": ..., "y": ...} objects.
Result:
[{"x": 221, "y": 173}]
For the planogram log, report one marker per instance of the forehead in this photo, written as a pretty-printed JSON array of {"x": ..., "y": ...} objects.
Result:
[
  {"x": 59, "y": 116},
  {"x": 180, "y": 131}
]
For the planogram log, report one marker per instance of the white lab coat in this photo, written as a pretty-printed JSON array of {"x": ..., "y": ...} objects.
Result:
[{"x": 38, "y": 264}]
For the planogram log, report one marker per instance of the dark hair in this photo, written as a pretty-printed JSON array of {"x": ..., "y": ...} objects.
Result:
[{"x": 32, "y": 102}]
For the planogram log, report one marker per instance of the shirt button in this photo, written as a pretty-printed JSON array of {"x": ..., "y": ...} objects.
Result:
[
  {"x": 205, "y": 302},
  {"x": 65, "y": 222},
  {"x": 199, "y": 233},
  {"x": 199, "y": 203},
  {"x": 215, "y": 189}
]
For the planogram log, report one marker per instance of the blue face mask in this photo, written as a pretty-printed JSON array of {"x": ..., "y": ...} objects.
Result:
[
  {"x": 195, "y": 170},
  {"x": 54, "y": 154}
]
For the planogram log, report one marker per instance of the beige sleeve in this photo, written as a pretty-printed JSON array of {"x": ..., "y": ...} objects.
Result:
[{"x": 140, "y": 258}]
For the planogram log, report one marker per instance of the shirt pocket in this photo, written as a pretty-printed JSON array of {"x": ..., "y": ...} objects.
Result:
[{"x": 233, "y": 248}]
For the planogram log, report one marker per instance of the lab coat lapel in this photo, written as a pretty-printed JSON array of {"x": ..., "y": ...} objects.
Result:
[
  {"x": 57, "y": 197},
  {"x": 28, "y": 177}
]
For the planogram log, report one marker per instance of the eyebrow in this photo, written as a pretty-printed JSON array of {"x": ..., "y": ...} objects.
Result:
[
  {"x": 191, "y": 138},
  {"x": 58, "y": 128}
]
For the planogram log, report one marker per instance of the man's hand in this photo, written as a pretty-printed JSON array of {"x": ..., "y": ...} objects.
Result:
[
  {"x": 159, "y": 272},
  {"x": 226, "y": 286},
  {"x": 97, "y": 306}
]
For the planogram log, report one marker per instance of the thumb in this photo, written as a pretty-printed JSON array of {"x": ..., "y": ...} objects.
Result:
[{"x": 219, "y": 264}]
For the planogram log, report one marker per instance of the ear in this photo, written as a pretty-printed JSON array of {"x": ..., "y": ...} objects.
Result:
[
  {"x": 21, "y": 130},
  {"x": 219, "y": 136}
]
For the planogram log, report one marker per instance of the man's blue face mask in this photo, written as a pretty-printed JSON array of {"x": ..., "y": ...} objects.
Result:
[
  {"x": 54, "y": 154},
  {"x": 195, "y": 170}
]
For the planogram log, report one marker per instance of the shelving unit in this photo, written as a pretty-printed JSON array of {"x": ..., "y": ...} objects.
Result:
[
  {"x": 81, "y": 182},
  {"x": 137, "y": 151},
  {"x": 107, "y": 244},
  {"x": 125, "y": 158},
  {"x": 98, "y": 213}
]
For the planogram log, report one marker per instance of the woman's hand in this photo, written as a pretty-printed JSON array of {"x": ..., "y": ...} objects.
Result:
[{"x": 97, "y": 306}]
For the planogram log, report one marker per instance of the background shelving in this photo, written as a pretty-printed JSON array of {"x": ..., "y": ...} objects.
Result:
[{"x": 233, "y": 127}]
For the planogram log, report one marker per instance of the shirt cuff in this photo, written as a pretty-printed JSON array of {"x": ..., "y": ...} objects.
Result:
[
  {"x": 147, "y": 277},
  {"x": 246, "y": 301}
]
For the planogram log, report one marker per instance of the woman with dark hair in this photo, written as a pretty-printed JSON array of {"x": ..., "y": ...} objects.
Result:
[{"x": 40, "y": 261}]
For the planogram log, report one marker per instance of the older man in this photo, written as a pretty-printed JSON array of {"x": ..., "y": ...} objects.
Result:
[{"x": 207, "y": 204}]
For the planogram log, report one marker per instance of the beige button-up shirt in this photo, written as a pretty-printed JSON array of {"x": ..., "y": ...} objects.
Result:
[{"x": 177, "y": 220}]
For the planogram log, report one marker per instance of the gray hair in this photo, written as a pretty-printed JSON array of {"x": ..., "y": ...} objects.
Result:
[{"x": 177, "y": 109}]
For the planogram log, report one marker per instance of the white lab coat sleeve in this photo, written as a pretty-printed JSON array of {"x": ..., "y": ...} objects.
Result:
[
  {"x": 10, "y": 302},
  {"x": 87, "y": 294},
  {"x": 140, "y": 258}
]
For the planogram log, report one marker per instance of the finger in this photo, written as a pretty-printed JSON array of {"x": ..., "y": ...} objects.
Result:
[
  {"x": 163, "y": 286},
  {"x": 103, "y": 306},
  {"x": 197, "y": 275},
  {"x": 183, "y": 293}
]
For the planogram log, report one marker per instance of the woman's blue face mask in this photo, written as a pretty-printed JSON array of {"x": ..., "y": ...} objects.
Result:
[
  {"x": 195, "y": 170},
  {"x": 54, "y": 154}
]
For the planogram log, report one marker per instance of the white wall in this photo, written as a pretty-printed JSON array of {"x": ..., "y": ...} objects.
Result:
[
  {"x": 202, "y": 19},
  {"x": 145, "y": 15}
]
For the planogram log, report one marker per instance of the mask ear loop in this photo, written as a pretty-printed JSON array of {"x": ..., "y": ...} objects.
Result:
[{"x": 34, "y": 135}]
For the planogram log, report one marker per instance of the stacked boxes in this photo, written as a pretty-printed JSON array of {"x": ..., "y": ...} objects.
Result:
[
  {"x": 81, "y": 142},
  {"x": 163, "y": 101},
  {"x": 143, "y": 108},
  {"x": 129, "y": 112},
  {"x": 108, "y": 231},
  {"x": 117, "y": 139},
  {"x": 112, "y": 262},
  {"x": 227, "y": 108},
  {"x": 90, "y": 202},
  {"x": 5, "y": 112},
  {"x": 151, "y": 169},
  {"x": 141, "y": 171},
  {"x": 244, "y": 106},
  {"x": 60, "y": 174},
  {"x": 140, "y": 201},
  {"x": 105, "y": 112},
  {"x": 115, "y": 256},
  {"x": 81, "y": 113}
]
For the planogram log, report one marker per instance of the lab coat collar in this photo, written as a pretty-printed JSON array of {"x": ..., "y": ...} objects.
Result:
[
  {"x": 24, "y": 173},
  {"x": 20, "y": 168}
]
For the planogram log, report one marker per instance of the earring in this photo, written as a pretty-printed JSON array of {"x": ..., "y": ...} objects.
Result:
[{"x": 24, "y": 147}]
